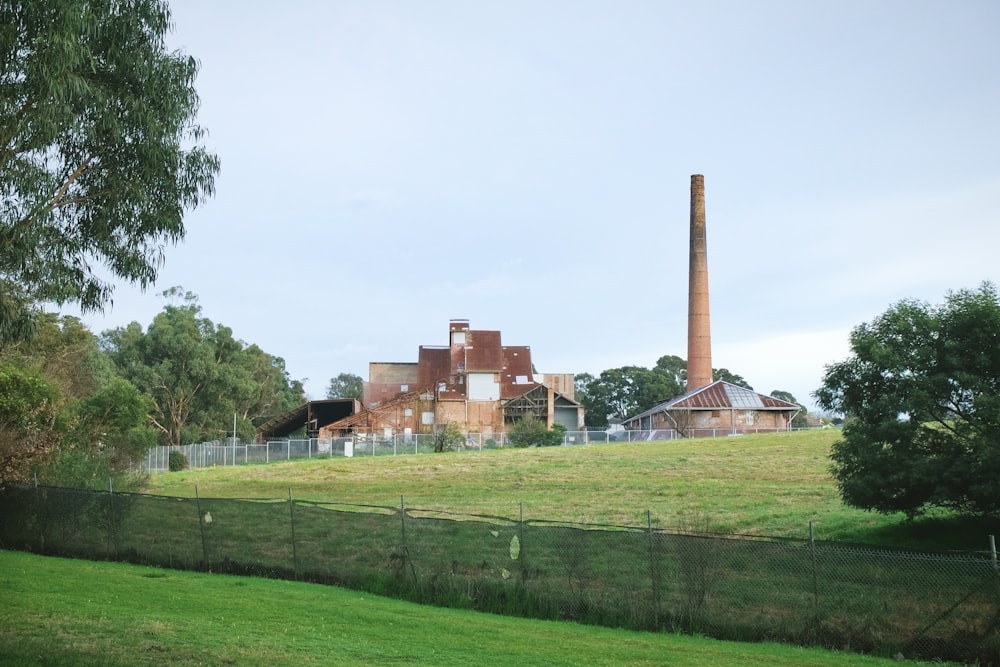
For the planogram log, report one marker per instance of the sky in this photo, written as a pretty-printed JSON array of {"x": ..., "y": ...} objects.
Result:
[{"x": 390, "y": 165}]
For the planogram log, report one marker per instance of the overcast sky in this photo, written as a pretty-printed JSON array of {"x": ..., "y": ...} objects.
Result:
[{"x": 390, "y": 165}]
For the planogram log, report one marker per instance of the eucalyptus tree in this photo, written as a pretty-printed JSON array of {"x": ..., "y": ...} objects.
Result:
[
  {"x": 99, "y": 151},
  {"x": 65, "y": 414},
  {"x": 345, "y": 385},
  {"x": 198, "y": 375}
]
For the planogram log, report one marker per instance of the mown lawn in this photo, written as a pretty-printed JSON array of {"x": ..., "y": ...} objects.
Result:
[
  {"x": 70, "y": 613},
  {"x": 773, "y": 484}
]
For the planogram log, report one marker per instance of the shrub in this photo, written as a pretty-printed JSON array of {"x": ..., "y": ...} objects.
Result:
[
  {"x": 531, "y": 432},
  {"x": 448, "y": 437},
  {"x": 176, "y": 461}
]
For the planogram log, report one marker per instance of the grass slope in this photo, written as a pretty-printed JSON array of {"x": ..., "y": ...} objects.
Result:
[
  {"x": 62, "y": 613},
  {"x": 771, "y": 484}
]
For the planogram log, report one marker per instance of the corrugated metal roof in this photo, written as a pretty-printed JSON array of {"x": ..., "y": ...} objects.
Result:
[
  {"x": 720, "y": 395},
  {"x": 434, "y": 364},
  {"x": 516, "y": 377},
  {"x": 482, "y": 351}
]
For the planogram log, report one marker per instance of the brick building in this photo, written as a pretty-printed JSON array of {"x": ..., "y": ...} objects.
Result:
[{"x": 474, "y": 381}]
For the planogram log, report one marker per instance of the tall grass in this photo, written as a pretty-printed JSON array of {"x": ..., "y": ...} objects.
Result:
[
  {"x": 66, "y": 613},
  {"x": 774, "y": 484}
]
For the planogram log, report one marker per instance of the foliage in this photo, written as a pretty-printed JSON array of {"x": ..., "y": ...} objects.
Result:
[
  {"x": 448, "y": 437},
  {"x": 98, "y": 160},
  {"x": 799, "y": 420},
  {"x": 94, "y": 425},
  {"x": 345, "y": 385},
  {"x": 921, "y": 400},
  {"x": 726, "y": 375},
  {"x": 532, "y": 432},
  {"x": 618, "y": 393},
  {"x": 176, "y": 461},
  {"x": 28, "y": 428},
  {"x": 198, "y": 376}
]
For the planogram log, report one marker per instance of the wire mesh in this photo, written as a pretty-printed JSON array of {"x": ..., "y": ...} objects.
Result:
[{"x": 843, "y": 596}]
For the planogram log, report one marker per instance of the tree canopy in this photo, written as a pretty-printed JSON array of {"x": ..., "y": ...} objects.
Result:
[
  {"x": 920, "y": 394},
  {"x": 98, "y": 151},
  {"x": 345, "y": 385},
  {"x": 65, "y": 414},
  {"x": 199, "y": 376},
  {"x": 619, "y": 393}
]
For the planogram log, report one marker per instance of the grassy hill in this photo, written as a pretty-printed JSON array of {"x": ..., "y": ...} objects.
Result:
[
  {"x": 772, "y": 484},
  {"x": 64, "y": 613}
]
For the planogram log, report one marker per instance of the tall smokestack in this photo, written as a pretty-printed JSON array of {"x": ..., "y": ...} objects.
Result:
[{"x": 699, "y": 355}]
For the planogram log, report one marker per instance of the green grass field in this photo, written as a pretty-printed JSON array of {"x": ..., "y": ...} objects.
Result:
[
  {"x": 757, "y": 485},
  {"x": 70, "y": 613}
]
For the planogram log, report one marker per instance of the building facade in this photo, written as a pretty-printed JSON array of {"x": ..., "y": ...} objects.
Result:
[{"x": 474, "y": 381}]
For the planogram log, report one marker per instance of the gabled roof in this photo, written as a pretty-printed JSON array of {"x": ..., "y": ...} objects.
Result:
[{"x": 721, "y": 395}]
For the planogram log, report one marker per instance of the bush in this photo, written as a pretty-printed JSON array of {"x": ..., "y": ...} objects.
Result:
[
  {"x": 531, "y": 432},
  {"x": 448, "y": 437},
  {"x": 176, "y": 461}
]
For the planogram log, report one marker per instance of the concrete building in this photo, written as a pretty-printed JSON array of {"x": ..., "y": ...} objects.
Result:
[{"x": 474, "y": 381}]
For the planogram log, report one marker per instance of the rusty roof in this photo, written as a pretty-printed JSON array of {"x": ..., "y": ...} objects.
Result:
[
  {"x": 434, "y": 364},
  {"x": 482, "y": 351},
  {"x": 721, "y": 395}
]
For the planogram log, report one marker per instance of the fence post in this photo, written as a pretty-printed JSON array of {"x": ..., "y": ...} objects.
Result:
[
  {"x": 520, "y": 544},
  {"x": 812, "y": 552},
  {"x": 111, "y": 514},
  {"x": 295, "y": 556},
  {"x": 654, "y": 573},
  {"x": 402, "y": 520},
  {"x": 201, "y": 526},
  {"x": 993, "y": 558}
]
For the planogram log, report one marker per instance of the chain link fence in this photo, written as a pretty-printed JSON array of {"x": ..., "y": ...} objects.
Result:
[
  {"x": 218, "y": 453},
  {"x": 842, "y": 596}
]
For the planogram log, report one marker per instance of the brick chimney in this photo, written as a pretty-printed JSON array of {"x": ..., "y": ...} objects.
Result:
[{"x": 699, "y": 354}]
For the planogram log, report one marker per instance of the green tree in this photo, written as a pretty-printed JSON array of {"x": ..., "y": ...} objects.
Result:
[
  {"x": 345, "y": 385},
  {"x": 98, "y": 150},
  {"x": 732, "y": 378},
  {"x": 91, "y": 421},
  {"x": 28, "y": 430},
  {"x": 622, "y": 392},
  {"x": 920, "y": 394},
  {"x": 799, "y": 420},
  {"x": 676, "y": 369},
  {"x": 199, "y": 375}
]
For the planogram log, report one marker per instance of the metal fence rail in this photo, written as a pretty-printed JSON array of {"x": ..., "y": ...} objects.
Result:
[
  {"x": 843, "y": 596},
  {"x": 217, "y": 453}
]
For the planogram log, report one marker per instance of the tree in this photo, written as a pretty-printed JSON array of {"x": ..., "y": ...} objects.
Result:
[
  {"x": 199, "y": 375},
  {"x": 28, "y": 422},
  {"x": 98, "y": 154},
  {"x": 67, "y": 416},
  {"x": 920, "y": 394},
  {"x": 345, "y": 385},
  {"x": 799, "y": 420},
  {"x": 732, "y": 378}
]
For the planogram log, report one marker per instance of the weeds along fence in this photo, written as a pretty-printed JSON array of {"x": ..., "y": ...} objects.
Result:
[
  {"x": 841, "y": 596},
  {"x": 218, "y": 453}
]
